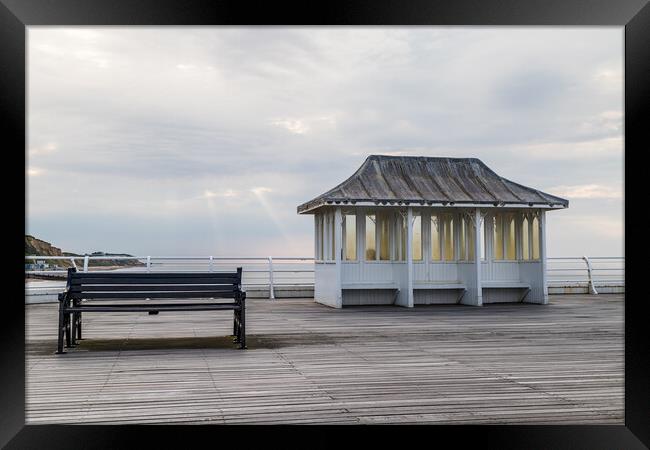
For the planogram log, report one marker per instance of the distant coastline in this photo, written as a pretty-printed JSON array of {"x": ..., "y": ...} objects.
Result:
[{"x": 36, "y": 246}]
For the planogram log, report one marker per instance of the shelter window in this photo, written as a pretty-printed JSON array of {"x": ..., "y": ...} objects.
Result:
[
  {"x": 525, "y": 239},
  {"x": 371, "y": 252},
  {"x": 462, "y": 235},
  {"x": 384, "y": 235},
  {"x": 417, "y": 237},
  {"x": 505, "y": 242},
  {"x": 497, "y": 226},
  {"x": 319, "y": 237},
  {"x": 327, "y": 237},
  {"x": 483, "y": 238},
  {"x": 471, "y": 240},
  {"x": 333, "y": 237},
  {"x": 435, "y": 237},
  {"x": 350, "y": 236},
  {"x": 535, "y": 238},
  {"x": 448, "y": 236},
  {"x": 509, "y": 232},
  {"x": 400, "y": 243},
  {"x": 467, "y": 239}
]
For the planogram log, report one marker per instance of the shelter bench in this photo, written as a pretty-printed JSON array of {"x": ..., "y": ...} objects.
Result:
[
  {"x": 82, "y": 287},
  {"x": 372, "y": 285},
  {"x": 507, "y": 285},
  {"x": 442, "y": 285}
]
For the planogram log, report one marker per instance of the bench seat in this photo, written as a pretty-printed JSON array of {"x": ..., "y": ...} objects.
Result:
[
  {"x": 438, "y": 285},
  {"x": 371, "y": 285},
  {"x": 504, "y": 284}
]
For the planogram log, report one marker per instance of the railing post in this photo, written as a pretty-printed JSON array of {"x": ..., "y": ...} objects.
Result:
[
  {"x": 211, "y": 267},
  {"x": 271, "y": 289},
  {"x": 86, "y": 263},
  {"x": 148, "y": 263},
  {"x": 592, "y": 288}
]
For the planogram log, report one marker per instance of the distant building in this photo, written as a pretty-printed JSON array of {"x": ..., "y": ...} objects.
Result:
[
  {"x": 418, "y": 230},
  {"x": 38, "y": 265}
]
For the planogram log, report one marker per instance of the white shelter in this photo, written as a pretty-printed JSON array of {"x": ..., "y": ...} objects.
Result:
[{"x": 410, "y": 230}]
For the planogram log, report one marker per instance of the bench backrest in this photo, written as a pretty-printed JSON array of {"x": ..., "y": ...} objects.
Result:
[{"x": 125, "y": 285}]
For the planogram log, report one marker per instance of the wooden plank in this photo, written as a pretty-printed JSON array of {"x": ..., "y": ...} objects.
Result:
[{"x": 560, "y": 363}]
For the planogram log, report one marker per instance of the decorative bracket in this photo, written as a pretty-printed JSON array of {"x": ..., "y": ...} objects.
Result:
[{"x": 471, "y": 216}]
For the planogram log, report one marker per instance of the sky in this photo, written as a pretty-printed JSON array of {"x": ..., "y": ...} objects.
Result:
[{"x": 203, "y": 140}]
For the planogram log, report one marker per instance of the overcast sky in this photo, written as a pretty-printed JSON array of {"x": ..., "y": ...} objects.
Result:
[{"x": 203, "y": 140}]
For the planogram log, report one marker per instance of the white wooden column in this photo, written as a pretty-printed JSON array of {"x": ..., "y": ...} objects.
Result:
[
  {"x": 315, "y": 236},
  {"x": 338, "y": 246},
  {"x": 477, "y": 255},
  {"x": 409, "y": 256},
  {"x": 542, "y": 251}
]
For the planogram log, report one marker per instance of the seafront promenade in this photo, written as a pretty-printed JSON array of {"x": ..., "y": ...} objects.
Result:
[{"x": 561, "y": 363}]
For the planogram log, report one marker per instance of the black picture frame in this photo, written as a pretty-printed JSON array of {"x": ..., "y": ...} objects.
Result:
[{"x": 16, "y": 15}]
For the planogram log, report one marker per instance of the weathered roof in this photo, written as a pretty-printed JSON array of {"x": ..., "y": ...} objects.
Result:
[{"x": 428, "y": 180}]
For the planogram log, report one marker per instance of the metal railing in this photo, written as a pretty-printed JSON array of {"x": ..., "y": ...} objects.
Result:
[
  {"x": 590, "y": 272},
  {"x": 268, "y": 272},
  {"x": 274, "y": 273}
]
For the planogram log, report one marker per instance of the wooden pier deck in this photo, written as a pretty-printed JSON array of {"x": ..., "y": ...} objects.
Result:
[{"x": 306, "y": 363}]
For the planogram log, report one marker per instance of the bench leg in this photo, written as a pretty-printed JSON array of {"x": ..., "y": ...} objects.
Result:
[
  {"x": 242, "y": 321},
  {"x": 76, "y": 324},
  {"x": 73, "y": 329},
  {"x": 59, "y": 347},
  {"x": 234, "y": 325},
  {"x": 237, "y": 326},
  {"x": 68, "y": 340}
]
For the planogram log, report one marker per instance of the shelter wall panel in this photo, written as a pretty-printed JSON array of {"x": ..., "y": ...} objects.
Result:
[
  {"x": 467, "y": 274},
  {"x": 400, "y": 275},
  {"x": 531, "y": 272},
  {"x": 500, "y": 271},
  {"x": 436, "y": 272},
  {"x": 365, "y": 272},
  {"x": 325, "y": 284}
]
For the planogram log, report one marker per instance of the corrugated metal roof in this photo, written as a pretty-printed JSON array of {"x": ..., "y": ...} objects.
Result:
[{"x": 427, "y": 180}]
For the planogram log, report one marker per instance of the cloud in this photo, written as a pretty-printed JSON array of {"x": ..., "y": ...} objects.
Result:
[
  {"x": 295, "y": 126},
  {"x": 588, "y": 191},
  {"x": 43, "y": 149},
  {"x": 181, "y": 125},
  {"x": 261, "y": 190},
  {"x": 226, "y": 194}
]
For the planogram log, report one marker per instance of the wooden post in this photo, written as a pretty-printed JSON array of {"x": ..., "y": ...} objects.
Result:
[
  {"x": 477, "y": 256},
  {"x": 409, "y": 256},
  {"x": 338, "y": 245}
]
